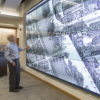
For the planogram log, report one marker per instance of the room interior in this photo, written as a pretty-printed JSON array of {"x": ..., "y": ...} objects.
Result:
[{"x": 13, "y": 18}]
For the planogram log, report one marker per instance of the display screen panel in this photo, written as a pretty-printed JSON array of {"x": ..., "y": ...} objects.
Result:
[{"x": 64, "y": 36}]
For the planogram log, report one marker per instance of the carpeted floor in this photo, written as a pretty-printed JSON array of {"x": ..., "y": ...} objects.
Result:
[{"x": 33, "y": 89}]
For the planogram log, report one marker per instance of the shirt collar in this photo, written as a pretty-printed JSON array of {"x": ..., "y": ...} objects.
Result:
[{"x": 12, "y": 42}]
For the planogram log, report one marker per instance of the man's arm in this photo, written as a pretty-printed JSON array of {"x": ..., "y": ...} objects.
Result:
[
  {"x": 22, "y": 49},
  {"x": 7, "y": 53}
]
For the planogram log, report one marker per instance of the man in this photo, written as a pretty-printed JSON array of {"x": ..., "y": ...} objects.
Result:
[{"x": 12, "y": 55}]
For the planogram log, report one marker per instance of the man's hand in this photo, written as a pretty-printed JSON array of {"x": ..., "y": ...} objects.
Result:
[
  {"x": 13, "y": 64},
  {"x": 28, "y": 47}
]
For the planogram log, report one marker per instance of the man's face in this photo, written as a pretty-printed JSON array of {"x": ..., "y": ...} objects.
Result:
[{"x": 13, "y": 38}]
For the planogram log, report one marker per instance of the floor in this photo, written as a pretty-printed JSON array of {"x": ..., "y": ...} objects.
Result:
[{"x": 34, "y": 89}]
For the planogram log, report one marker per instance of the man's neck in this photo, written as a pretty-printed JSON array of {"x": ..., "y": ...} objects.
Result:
[{"x": 12, "y": 42}]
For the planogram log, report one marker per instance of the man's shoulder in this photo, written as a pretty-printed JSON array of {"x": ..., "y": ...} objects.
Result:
[{"x": 8, "y": 45}]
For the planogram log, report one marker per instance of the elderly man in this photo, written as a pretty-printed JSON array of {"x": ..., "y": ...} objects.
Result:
[{"x": 12, "y": 55}]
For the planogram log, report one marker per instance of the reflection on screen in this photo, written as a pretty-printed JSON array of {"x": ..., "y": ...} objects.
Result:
[{"x": 64, "y": 36}]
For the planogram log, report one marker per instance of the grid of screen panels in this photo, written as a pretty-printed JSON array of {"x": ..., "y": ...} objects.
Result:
[{"x": 64, "y": 36}]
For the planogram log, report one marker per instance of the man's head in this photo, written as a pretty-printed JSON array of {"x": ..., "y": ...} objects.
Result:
[{"x": 11, "y": 38}]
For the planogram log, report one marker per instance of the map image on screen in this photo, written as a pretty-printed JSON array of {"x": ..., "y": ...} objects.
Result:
[{"x": 64, "y": 36}]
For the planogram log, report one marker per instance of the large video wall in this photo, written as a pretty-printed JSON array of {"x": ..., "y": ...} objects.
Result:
[{"x": 64, "y": 36}]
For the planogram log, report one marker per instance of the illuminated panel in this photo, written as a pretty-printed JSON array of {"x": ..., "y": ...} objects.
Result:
[{"x": 64, "y": 36}]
